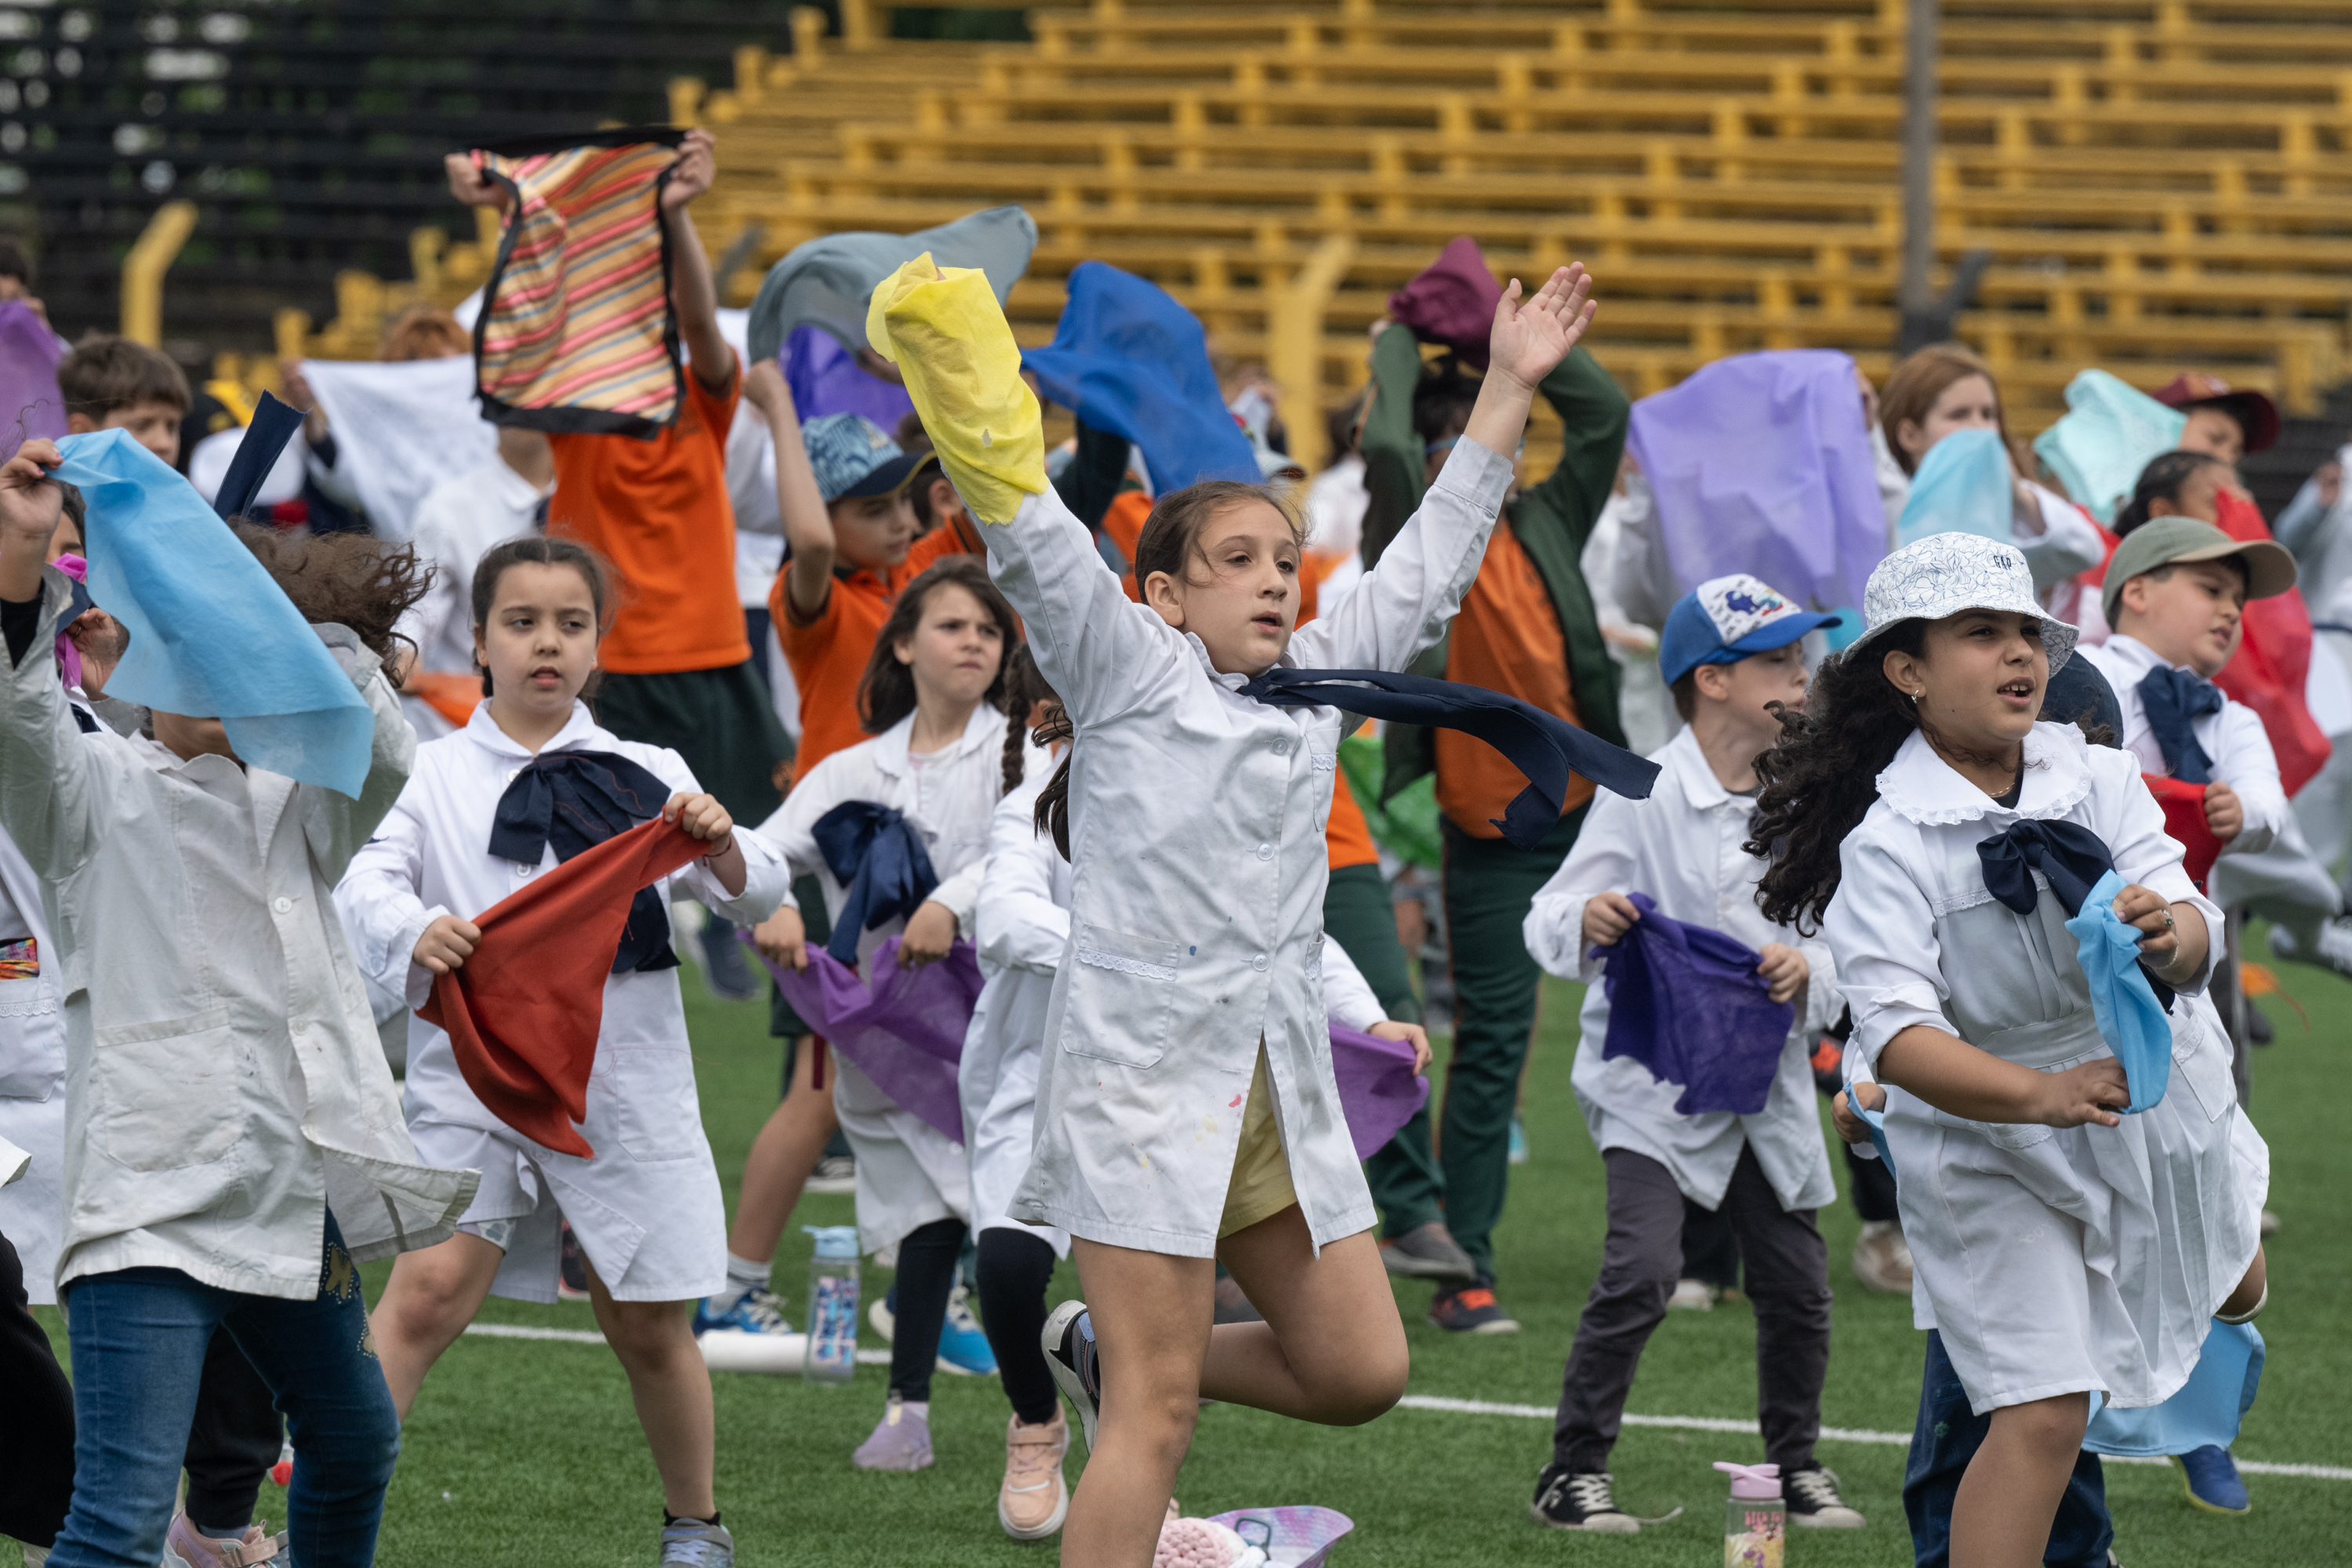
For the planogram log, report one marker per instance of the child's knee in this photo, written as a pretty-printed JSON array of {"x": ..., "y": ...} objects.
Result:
[
  {"x": 647, "y": 1332},
  {"x": 1369, "y": 1389},
  {"x": 2052, "y": 1426}
]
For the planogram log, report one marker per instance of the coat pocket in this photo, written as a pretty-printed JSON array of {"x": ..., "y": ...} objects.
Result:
[
  {"x": 2200, "y": 1058},
  {"x": 164, "y": 1096},
  {"x": 657, "y": 1112},
  {"x": 1326, "y": 770},
  {"x": 1121, "y": 1000}
]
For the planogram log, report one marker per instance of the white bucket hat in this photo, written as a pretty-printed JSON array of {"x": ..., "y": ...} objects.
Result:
[{"x": 1945, "y": 573}]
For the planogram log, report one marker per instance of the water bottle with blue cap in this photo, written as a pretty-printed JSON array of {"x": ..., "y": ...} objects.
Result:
[{"x": 831, "y": 1305}]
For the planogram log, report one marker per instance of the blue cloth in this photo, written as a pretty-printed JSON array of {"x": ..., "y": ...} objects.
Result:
[
  {"x": 212, "y": 635},
  {"x": 2174, "y": 700},
  {"x": 1685, "y": 1002},
  {"x": 1129, "y": 359},
  {"x": 576, "y": 800},
  {"x": 138, "y": 1338},
  {"x": 2206, "y": 1411},
  {"x": 1544, "y": 747},
  {"x": 1762, "y": 463},
  {"x": 827, "y": 378},
  {"x": 273, "y": 425},
  {"x": 1947, "y": 1437},
  {"x": 876, "y": 854},
  {"x": 1962, "y": 487},
  {"x": 2109, "y": 432},
  {"x": 2131, "y": 1019},
  {"x": 1876, "y": 1122}
]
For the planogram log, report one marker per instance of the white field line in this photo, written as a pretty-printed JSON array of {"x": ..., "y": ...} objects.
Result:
[{"x": 1525, "y": 1412}]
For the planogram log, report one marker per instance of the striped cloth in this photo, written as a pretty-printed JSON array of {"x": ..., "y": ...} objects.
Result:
[{"x": 576, "y": 333}]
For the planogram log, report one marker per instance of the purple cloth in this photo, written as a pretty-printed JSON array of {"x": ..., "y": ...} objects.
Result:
[
  {"x": 1452, "y": 301},
  {"x": 1379, "y": 1090},
  {"x": 825, "y": 378},
  {"x": 31, "y": 408},
  {"x": 1686, "y": 1003},
  {"x": 1761, "y": 463},
  {"x": 1296, "y": 1536},
  {"x": 905, "y": 1030}
]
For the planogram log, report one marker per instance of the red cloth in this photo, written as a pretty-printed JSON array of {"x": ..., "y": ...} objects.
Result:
[
  {"x": 2272, "y": 664},
  {"x": 2184, "y": 819},
  {"x": 524, "y": 1012}
]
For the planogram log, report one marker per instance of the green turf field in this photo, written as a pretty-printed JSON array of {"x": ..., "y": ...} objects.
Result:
[{"x": 524, "y": 1454}]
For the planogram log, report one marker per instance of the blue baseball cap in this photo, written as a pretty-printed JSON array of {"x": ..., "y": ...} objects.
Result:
[
  {"x": 855, "y": 456},
  {"x": 1726, "y": 619}
]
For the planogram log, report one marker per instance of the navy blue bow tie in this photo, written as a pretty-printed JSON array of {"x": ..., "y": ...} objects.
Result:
[
  {"x": 877, "y": 854},
  {"x": 2174, "y": 700},
  {"x": 576, "y": 800},
  {"x": 1544, "y": 747},
  {"x": 2071, "y": 856}
]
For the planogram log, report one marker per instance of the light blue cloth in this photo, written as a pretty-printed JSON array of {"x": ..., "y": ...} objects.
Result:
[
  {"x": 1876, "y": 1122},
  {"x": 211, "y": 635},
  {"x": 1962, "y": 487},
  {"x": 2205, "y": 1413},
  {"x": 1129, "y": 359},
  {"x": 1761, "y": 463},
  {"x": 2131, "y": 1020},
  {"x": 2107, "y": 434},
  {"x": 827, "y": 282}
]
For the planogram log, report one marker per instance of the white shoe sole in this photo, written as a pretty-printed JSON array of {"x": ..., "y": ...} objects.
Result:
[
  {"x": 1051, "y": 1526},
  {"x": 1065, "y": 1376},
  {"x": 1836, "y": 1519},
  {"x": 1608, "y": 1524}
]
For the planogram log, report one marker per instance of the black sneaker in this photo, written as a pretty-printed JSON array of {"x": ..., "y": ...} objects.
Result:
[
  {"x": 1470, "y": 1310},
  {"x": 1567, "y": 1499},
  {"x": 1812, "y": 1498},
  {"x": 1428, "y": 1252},
  {"x": 1068, "y": 1341}
]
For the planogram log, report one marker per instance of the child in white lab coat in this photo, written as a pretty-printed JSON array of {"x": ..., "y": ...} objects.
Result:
[
  {"x": 1732, "y": 657},
  {"x": 932, "y": 699},
  {"x": 2058, "y": 1245},
  {"x": 645, "y": 1206},
  {"x": 1187, "y": 1108}
]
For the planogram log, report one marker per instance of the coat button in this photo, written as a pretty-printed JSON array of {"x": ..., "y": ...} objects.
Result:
[
  {"x": 283, "y": 906},
  {"x": 1282, "y": 748},
  {"x": 1265, "y": 851},
  {"x": 1258, "y": 963}
]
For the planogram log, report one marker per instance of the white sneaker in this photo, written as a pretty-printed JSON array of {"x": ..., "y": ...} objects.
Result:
[
  {"x": 1692, "y": 1296},
  {"x": 834, "y": 1175},
  {"x": 1882, "y": 1259}
]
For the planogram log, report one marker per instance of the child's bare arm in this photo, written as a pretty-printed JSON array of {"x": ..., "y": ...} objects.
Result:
[
  {"x": 808, "y": 527},
  {"x": 692, "y": 293},
  {"x": 1961, "y": 1080}
]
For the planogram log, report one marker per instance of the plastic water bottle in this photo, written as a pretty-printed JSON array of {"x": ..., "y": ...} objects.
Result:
[
  {"x": 832, "y": 1305},
  {"x": 1756, "y": 1521}
]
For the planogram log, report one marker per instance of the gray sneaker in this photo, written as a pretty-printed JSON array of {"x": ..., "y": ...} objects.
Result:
[
  {"x": 1427, "y": 1252},
  {"x": 691, "y": 1543},
  {"x": 901, "y": 1440}
]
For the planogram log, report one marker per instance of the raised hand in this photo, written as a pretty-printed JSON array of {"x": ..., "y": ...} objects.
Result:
[
  {"x": 696, "y": 166},
  {"x": 470, "y": 184},
  {"x": 1531, "y": 337}
]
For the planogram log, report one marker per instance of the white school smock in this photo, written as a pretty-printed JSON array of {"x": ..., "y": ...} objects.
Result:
[
  {"x": 1197, "y": 821},
  {"x": 223, "y": 1083},
  {"x": 2232, "y": 738},
  {"x": 1682, "y": 847},
  {"x": 2051, "y": 1261},
  {"x": 646, "y": 1207},
  {"x": 32, "y": 1071},
  {"x": 909, "y": 1174}
]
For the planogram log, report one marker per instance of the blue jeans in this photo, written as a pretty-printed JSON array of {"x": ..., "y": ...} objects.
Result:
[
  {"x": 139, "y": 1338},
  {"x": 1947, "y": 1438}
]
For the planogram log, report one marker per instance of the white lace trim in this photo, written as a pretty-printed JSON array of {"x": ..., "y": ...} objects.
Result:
[
  {"x": 1126, "y": 965},
  {"x": 1919, "y": 787},
  {"x": 37, "y": 1009},
  {"x": 1969, "y": 900},
  {"x": 1326, "y": 761}
]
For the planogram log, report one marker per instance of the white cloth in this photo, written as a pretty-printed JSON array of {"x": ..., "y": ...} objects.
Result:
[
  {"x": 1682, "y": 847},
  {"x": 644, "y": 1207},
  {"x": 209, "y": 460},
  {"x": 2051, "y": 1261},
  {"x": 401, "y": 427},
  {"x": 2233, "y": 739},
  {"x": 455, "y": 525},
  {"x": 908, "y": 1173},
  {"x": 1197, "y": 820},
  {"x": 32, "y": 1071},
  {"x": 1337, "y": 500},
  {"x": 224, "y": 1081}
]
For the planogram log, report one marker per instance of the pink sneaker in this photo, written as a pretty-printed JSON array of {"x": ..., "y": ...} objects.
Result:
[
  {"x": 185, "y": 1546},
  {"x": 1034, "y": 1499}
]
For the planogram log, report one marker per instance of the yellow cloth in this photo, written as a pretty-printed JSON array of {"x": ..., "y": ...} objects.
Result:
[
  {"x": 944, "y": 329},
  {"x": 1261, "y": 1185}
]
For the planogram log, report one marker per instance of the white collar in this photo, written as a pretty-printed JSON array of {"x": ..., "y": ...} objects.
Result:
[
  {"x": 1682, "y": 757},
  {"x": 1232, "y": 680},
  {"x": 2141, "y": 657},
  {"x": 985, "y": 726},
  {"x": 578, "y": 730},
  {"x": 1921, "y": 787}
]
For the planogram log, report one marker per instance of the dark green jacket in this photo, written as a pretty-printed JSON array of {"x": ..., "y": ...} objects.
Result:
[{"x": 1551, "y": 521}]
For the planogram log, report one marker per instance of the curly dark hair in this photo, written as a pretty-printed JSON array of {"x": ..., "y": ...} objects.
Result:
[
  {"x": 341, "y": 579},
  {"x": 1819, "y": 779}
]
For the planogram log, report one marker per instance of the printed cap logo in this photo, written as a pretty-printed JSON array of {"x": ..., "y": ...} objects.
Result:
[{"x": 1740, "y": 604}]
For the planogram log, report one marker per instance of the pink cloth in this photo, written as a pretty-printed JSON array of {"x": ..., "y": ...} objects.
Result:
[{"x": 1452, "y": 302}]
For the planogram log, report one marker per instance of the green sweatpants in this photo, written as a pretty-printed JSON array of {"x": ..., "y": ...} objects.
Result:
[
  {"x": 1359, "y": 916},
  {"x": 1488, "y": 886}
]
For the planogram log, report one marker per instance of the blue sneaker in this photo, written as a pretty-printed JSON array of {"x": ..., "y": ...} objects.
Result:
[
  {"x": 754, "y": 1312},
  {"x": 1518, "y": 1155},
  {"x": 2211, "y": 1478},
  {"x": 963, "y": 1348}
]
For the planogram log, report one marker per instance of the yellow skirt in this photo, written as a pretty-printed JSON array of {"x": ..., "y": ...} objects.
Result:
[{"x": 1261, "y": 1182}]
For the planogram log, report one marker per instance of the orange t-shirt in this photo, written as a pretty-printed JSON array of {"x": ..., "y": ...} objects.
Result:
[
  {"x": 1507, "y": 639},
  {"x": 657, "y": 511},
  {"x": 828, "y": 653}
]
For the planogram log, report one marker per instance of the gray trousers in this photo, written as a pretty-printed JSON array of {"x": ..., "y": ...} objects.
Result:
[{"x": 1787, "y": 1269}]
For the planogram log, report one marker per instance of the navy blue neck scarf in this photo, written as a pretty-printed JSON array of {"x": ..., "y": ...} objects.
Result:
[
  {"x": 2174, "y": 700},
  {"x": 575, "y": 801},
  {"x": 876, "y": 854},
  {"x": 1544, "y": 747},
  {"x": 2072, "y": 856}
]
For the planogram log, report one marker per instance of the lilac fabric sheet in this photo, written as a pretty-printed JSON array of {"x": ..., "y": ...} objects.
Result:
[
  {"x": 30, "y": 406},
  {"x": 905, "y": 1030},
  {"x": 825, "y": 378},
  {"x": 1379, "y": 1090},
  {"x": 1685, "y": 1002},
  {"x": 1761, "y": 463}
]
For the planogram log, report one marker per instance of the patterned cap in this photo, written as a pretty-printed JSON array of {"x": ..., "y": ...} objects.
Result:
[
  {"x": 854, "y": 457},
  {"x": 1945, "y": 573},
  {"x": 1727, "y": 619}
]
